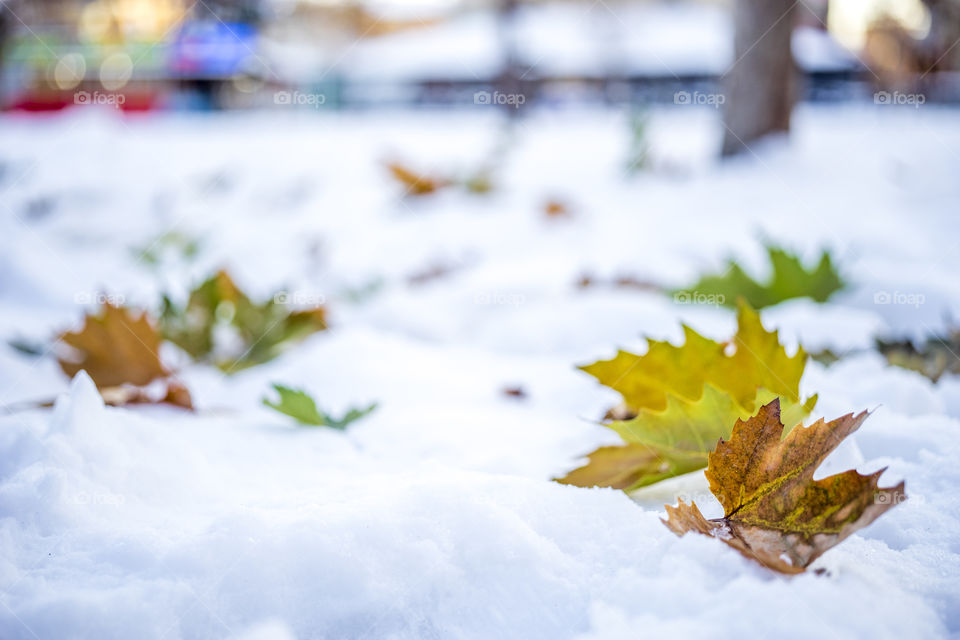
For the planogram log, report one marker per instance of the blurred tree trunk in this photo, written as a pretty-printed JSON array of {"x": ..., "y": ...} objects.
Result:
[
  {"x": 509, "y": 81},
  {"x": 759, "y": 87},
  {"x": 938, "y": 45}
]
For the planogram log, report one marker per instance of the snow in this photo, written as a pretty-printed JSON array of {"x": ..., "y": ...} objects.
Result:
[{"x": 434, "y": 517}]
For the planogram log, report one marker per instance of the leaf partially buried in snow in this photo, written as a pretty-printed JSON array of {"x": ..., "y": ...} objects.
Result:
[
  {"x": 789, "y": 278},
  {"x": 119, "y": 349},
  {"x": 774, "y": 511},
  {"x": 683, "y": 399},
  {"x": 301, "y": 407}
]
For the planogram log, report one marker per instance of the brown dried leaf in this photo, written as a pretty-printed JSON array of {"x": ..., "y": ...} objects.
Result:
[
  {"x": 115, "y": 347},
  {"x": 119, "y": 350},
  {"x": 774, "y": 511}
]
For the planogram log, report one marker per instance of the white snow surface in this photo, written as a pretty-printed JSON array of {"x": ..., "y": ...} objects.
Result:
[{"x": 435, "y": 517}]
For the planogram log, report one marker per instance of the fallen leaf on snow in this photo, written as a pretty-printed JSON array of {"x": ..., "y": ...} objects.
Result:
[
  {"x": 416, "y": 184},
  {"x": 556, "y": 209},
  {"x": 788, "y": 279},
  {"x": 260, "y": 331},
  {"x": 300, "y": 406},
  {"x": 683, "y": 398},
  {"x": 119, "y": 349},
  {"x": 774, "y": 511}
]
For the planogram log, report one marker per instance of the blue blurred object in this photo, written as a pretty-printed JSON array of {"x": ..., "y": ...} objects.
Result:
[{"x": 208, "y": 49}]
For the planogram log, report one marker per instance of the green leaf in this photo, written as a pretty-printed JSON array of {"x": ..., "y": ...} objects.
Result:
[
  {"x": 352, "y": 414},
  {"x": 789, "y": 279},
  {"x": 261, "y": 331},
  {"x": 300, "y": 406}
]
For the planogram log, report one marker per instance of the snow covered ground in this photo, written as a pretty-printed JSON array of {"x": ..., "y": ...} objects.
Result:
[{"x": 435, "y": 517}]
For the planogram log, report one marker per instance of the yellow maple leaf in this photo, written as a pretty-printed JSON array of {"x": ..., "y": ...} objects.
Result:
[
  {"x": 684, "y": 398},
  {"x": 758, "y": 361}
]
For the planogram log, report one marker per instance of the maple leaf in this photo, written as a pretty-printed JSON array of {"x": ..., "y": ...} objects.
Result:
[
  {"x": 774, "y": 511},
  {"x": 668, "y": 443},
  {"x": 759, "y": 360},
  {"x": 119, "y": 349},
  {"x": 301, "y": 407},
  {"x": 262, "y": 330},
  {"x": 789, "y": 279},
  {"x": 618, "y": 467},
  {"x": 683, "y": 398},
  {"x": 115, "y": 347}
]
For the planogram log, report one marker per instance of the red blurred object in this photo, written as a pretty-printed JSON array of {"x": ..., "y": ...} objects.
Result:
[{"x": 42, "y": 101}]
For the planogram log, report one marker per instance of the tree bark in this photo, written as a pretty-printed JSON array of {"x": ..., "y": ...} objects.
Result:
[{"x": 759, "y": 86}]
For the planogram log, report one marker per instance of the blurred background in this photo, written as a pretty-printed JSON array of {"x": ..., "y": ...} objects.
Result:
[{"x": 222, "y": 54}]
